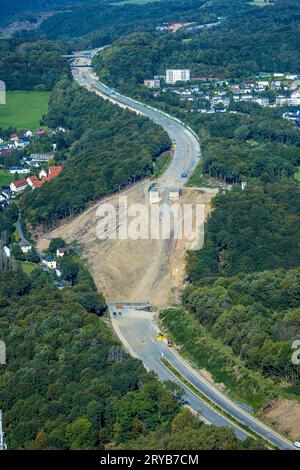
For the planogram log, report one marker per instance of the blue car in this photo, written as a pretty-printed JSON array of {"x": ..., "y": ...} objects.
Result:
[{"x": 184, "y": 175}]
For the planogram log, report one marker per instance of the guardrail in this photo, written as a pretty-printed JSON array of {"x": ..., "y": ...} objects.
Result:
[{"x": 139, "y": 103}]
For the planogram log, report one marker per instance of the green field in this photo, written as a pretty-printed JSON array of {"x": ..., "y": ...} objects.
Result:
[
  {"x": 297, "y": 174},
  {"x": 5, "y": 178},
  {"x": 28, "y": 267},
  {"x": 24, "y": 109}
]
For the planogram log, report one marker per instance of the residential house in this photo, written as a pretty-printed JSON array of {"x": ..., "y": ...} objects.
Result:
[
  {"x": 61, "y": 252},
  {"x": 25, "y": 247},
  {"x": 33, "y": 181},
  {"x": 49, "y": 262},
  {"x": 152, "y": 84},
  {"x": 43, "y": 173},
  {"x": 262, "y": 101},
  {"x": 41, "y": 157},
  {"x": 54, "y": 171},
  {"x": 6, "y": 251},
  {"x": 19, "y": 169},
  {"x": 18, "y": 186},
  {"x": 28, "y": 134}
]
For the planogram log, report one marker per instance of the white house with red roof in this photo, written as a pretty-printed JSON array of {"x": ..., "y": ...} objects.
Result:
[{"x": 18, "y": 186}]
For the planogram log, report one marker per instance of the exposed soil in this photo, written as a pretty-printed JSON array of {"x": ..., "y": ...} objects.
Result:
[
  {"x": 285, "y": 416},
  {"x": 131, "y": 270},
  {"x": 25, "y": 25}
]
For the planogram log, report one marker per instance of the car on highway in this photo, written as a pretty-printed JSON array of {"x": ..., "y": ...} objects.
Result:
[
  {"x": 114, "y": 313},
  {"x": 183, "y": 401},
  {"x": 184, "y": 175},
  {"x": 297, "y": 444}
]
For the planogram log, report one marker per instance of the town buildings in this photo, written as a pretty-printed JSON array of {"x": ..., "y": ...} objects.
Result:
[
  {"x": 152, "y": 84},
  {"x": 177, "y": 75}
]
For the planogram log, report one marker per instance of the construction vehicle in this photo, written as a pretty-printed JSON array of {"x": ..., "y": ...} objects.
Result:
[{"x": 160, "y": 337}]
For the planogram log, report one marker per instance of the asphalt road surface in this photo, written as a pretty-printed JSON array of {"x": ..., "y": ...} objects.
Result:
[
  {"x": 138, "y": 332},
  {"x": 186, "y": 146},
  {"x": 135, "y": 328}
]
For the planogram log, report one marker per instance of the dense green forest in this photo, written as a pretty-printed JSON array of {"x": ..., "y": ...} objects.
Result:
[
  {"x": 101, "y": 26},
  {"x": 254, "y": 142},
  {"x": 112, "y": 147},
  {"x": 242, "y": 45},
  {"x": 257, "y": 315},
  {"x": 69, "y": 385},
  {"x": 13, "y": 9},
  {"x": 36, "y": 65},
  {"x": 248, "y": 146},
  {"x": 67, "y": 382},
  {"x": 249, "y": 231},
  {"x": 242, "y": 303}
]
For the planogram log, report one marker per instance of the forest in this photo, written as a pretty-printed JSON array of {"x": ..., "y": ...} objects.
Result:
[
  {"x": 243, "y": 297},
  {"x": 262, "y": 39},
  {"x": 112, "y": 147},
  {"x": 257, "y": 315},
  {"x": 253, "y": 230},
  {"x": 69, "y": 384},
  {"x": 33, "y": 65}
]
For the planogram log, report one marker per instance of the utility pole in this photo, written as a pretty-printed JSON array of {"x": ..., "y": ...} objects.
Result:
[{"x": 2, "y": 443}]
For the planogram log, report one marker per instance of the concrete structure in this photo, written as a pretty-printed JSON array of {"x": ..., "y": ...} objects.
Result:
[
  {"x": 286, "y": 101},
  {"x": 152, "y": 84},
  {"x": 174, "y": 194},
  {"x": 154, "y": 195},
  {"x": 177, "y": 75}
]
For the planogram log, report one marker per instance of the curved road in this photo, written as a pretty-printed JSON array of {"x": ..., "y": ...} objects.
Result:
[
  {"x": 136, "y": 329},
  {"x": 186, "y": 149}
]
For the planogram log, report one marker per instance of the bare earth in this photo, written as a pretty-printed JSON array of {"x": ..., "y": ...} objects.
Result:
[
  {"x": 25, "y": 25},
  {"x": 285, "y": 416},
  {"x": 131, "y": 270}
]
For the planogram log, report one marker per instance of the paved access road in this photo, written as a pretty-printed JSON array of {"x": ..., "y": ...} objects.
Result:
[{"x": 137, "y": 331}]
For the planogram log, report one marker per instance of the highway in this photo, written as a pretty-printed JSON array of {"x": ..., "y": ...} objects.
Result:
[
  {"x": 136, "y": 328},
  {"x": 186, "y": 145}
]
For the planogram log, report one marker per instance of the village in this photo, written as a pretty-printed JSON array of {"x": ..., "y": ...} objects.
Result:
[
  {"x": 22, "y": 170},
  {"x": 19, "y": 169},
  {"x": 210, "y": 95}
]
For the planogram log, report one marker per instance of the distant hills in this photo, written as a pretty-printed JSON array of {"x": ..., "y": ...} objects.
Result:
[{"x": 10, "y": 8}]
